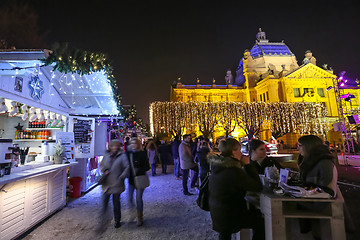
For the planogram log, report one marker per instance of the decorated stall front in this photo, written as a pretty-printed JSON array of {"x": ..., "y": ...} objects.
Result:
[{"x": 44, "y": 109}]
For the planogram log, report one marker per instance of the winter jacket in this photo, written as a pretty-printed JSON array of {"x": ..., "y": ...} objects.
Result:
[
  {"x": 267, "y": 162},
  {"x": 175, "y": 148},
  {"x": 165, "y": 153},
  {"x": 119, "y": 169},
  {"x": 141, "y": 164},
  {"x": 152, "y": 156},
  {"x": 324, "y": 175},
  {"x": 186, "y": 158},
  {"x": 201, "y": 156},
  {"x": 228, "y": 184},
  {"x": 318, "y": 169}
]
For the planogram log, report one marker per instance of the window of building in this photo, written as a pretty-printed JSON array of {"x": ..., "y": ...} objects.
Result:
[
  {"x": 296, "y": 92},
  {"x": 261, "y": 99},
  {"x": 267, "y": 96},
  {"x": 307, "y": 90},
  {"x": 320, "y": 92}
]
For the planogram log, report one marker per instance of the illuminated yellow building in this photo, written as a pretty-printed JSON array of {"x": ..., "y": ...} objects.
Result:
[{"x": 269, "y": 72}]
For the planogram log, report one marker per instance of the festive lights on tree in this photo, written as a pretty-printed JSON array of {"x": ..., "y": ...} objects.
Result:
[
  {"x": 229, "y": 117},
  {"x": 253, "y": 117}
]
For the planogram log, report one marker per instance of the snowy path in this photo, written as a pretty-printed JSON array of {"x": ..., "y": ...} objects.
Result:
[{"x": 168, "y": 214}]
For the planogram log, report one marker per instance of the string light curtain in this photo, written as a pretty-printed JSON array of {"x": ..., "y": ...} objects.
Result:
[{"x": 253, "y": 117}]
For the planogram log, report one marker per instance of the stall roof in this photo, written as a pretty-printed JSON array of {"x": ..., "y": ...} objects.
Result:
[{"x": 84, "y": 94}]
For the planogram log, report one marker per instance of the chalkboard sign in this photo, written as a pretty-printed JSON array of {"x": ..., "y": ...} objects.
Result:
[{"x": 82, "y": 131}]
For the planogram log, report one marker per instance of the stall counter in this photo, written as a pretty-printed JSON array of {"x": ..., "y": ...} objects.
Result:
[{"x": 29, "y": 196}]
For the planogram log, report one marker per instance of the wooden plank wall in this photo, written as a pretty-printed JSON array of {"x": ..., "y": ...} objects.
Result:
[{"x": 27, "y": 202}]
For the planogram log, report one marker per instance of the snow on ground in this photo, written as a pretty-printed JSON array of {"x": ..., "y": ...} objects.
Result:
[{"x": 168, "y": 214}]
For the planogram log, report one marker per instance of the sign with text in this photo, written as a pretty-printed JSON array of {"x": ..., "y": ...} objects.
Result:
[{"x": 67, "y": 140}]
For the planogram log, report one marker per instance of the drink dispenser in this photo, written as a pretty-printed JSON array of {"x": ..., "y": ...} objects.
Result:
[
  {"x": 47, "y": 147},
  {"x": 5, "y": 150}
]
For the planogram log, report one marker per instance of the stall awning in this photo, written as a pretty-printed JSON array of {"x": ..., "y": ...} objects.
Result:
[{"x": 83, "y": 94}]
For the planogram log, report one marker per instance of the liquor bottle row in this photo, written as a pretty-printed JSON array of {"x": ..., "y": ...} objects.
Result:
[
  {"x": 33, "y": 134},
  {"x": 41, "y": 124}
]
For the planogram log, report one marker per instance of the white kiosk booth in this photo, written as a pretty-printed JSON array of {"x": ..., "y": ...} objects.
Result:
[{"x": 37, "y": 106}]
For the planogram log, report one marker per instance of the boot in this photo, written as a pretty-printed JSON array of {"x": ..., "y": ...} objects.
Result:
[{"x": 140, "y": 219}]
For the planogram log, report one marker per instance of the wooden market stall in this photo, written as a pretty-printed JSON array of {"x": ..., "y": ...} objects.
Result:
[{"x": 40, "y": 106}]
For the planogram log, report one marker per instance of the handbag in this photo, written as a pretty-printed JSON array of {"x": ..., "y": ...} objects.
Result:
[
  {"x": 102, "y": 179},
  {"x": 203, "y": 198},
  {"x": 142, "y": 181}
]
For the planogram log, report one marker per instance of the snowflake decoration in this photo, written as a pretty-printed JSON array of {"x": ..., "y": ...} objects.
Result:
[{"x": 36, "y": 87}]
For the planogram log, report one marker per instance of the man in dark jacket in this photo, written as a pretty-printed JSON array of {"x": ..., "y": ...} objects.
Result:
[
  {"x": 165, "y": 155},
  {"x": 175, "y": 153},
  {"x": 228, "y": 184}
]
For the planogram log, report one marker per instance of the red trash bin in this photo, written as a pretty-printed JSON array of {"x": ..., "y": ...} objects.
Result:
[{"x": 75, "y": 187}]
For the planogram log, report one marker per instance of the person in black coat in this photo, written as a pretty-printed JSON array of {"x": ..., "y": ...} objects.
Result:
[
  {"x": 141, "y": 165},
  {"x": 258, "y": 157},
  {"x": 175, "y": 153},
  {"x": 231, "y": 176},
  {"x": 201, "y": 156},
  {"x": 164, "y": 150}
]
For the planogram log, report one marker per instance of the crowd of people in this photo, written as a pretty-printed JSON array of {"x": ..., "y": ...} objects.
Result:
[{"x": 231, "y": 176}]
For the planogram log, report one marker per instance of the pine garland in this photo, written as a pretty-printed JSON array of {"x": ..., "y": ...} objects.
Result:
[{"x": 82, "y": 62}]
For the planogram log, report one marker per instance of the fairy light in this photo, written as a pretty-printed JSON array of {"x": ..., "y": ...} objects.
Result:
[{"x": 302, "y": 118}]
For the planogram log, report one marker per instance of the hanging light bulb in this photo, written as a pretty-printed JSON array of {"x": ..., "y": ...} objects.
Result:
[
  {"x": 41, "y": 116},
  {"x": 14, "y": 109},
  {"x": 3, "y": 108},
  {"x": 61, "y": 122},
  {"x": 55, "y": 120},
  {"x": 48, "y": 119},
  {"x": 33, "y": 115},
  {"x": 25, "y": 112}
]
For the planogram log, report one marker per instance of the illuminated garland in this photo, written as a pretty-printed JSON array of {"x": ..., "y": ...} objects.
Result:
[
  {"x": 302, "y": 118},
  {"x": 82, "y": 62}
]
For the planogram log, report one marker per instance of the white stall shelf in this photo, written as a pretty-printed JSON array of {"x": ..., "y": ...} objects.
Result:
[{"x": 29, "y": 196}]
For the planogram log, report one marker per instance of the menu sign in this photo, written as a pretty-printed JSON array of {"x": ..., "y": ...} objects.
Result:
[
  {"x": 67, "y": 140},
  {"x": 82, "y": 130}
]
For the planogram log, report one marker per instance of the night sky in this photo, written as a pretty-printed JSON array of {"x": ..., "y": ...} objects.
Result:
[{"x": 153, "y": 43}]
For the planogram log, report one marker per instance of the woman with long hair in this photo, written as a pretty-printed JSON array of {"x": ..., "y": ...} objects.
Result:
[
  {"x": 231, "y": 176},
  {"x": 153, "y": 156},
  {"x": 317, "y": 165},
  {"x": 115, "y": 166},
  {"x": 318, "y": 169},
  {"x": 139, "y": 159}
]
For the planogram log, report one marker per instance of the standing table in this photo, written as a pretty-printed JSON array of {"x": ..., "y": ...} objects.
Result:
[{"x": 279, "y": 210}]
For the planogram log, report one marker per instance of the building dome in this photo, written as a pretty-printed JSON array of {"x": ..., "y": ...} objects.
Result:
[
  {"x": 265, "y": 58},
  {"x": 270, "y": 49}
]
